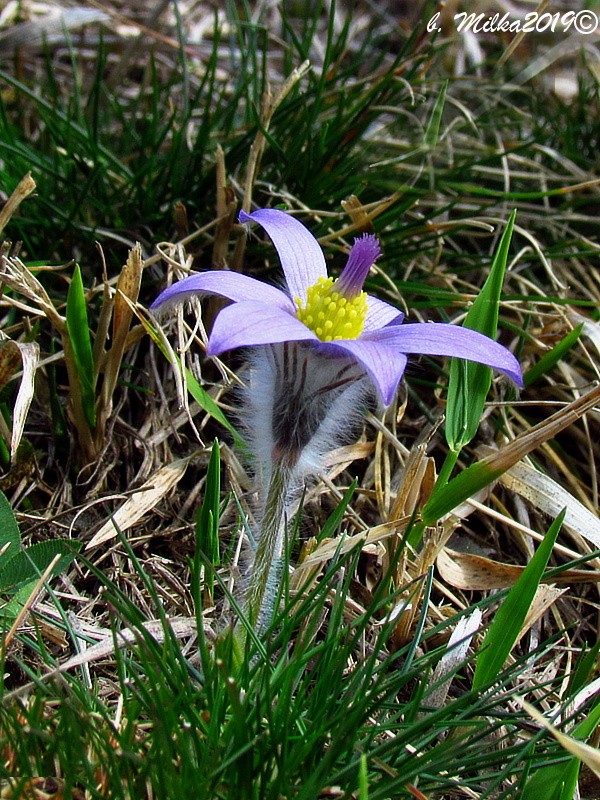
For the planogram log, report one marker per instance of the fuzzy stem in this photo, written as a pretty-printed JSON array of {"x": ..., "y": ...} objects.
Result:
[{"x": 260, "y": 596}]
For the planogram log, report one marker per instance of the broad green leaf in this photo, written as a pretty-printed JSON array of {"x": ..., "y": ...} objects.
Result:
[
  {"x": 550, "y": 359},
  {"x": 469, "y": 382},
  {"x": 14, "y": 605},
  {"x": 505, "y": 627},
  {"x": 27, "y": 565},
  {"x": 10, "y": 536},
  {"x": 81, "y": 344}
]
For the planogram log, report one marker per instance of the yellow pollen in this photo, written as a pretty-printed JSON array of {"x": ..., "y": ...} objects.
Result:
[{"x": 331, "y": 315}]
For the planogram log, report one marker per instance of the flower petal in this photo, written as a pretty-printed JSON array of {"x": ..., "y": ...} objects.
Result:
[
  {"x": 441, "y": 339},
  {"x": 252, "y": 323},
  {"x": 380, "y": 313},
  {"x": 361, "y": 258},
  {"x": 226, "y": 284},
  {"x": 300, "y": 254},
  {"x": 384, "y": 364}
]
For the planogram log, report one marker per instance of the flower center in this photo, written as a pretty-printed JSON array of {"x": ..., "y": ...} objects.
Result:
[{"x": 330, "y": 314}]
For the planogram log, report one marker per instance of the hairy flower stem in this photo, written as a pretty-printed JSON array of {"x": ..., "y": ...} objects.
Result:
[{"x": 261, "y": 593}]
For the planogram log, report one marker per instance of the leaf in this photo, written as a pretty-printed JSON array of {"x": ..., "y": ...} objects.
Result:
[
  {"x": 469, "y": 382},
  {"x": 334, "y": 520},
  {"x": 455, "y": 654},
  {"x": 10, "y": 536},
  {"x": 81, "y": 344},
  {"x": 27, "y": 565},
  {"x": 510, "y": 617},
  {"x": 10, "y": 358},
  {"x": 128, "y": 287},
  {"x": 24, "y": 188},
  {"x": 560, "y": 780},
  {"x": 144, "y": 499},
  {"x": 484, "y": 472},
  {"x": 208, "y": 517},
  {"x": 12, "y": 355},
  {"x": 478, "y": 573},
  {"x": 550, "y": 497},
  {"x": 30, "y": 353},
  {"x": 199, "y": 394},
  {"x": 432, "y": 132},
  {"x": 550, "y": 359},
  {"x": 205, "y": 401}
]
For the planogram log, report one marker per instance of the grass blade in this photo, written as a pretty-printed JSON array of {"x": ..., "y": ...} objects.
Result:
[
  {"x": 207, "y": 524},
  {"x": 432, "y": 131}
]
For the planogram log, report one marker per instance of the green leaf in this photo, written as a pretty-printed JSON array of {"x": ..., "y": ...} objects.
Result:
[
  {"x": 27, "y": 565},
  {"x": 334, "y": 520},
  {"x": 10, "y": 536},
  {"x": 199, "y": 394},
  {"x": 584, "y": 667},
  {"x": 432, "y": 131},
  {"x": 550, "y": 359},
  {"x": 464, "y": 485},
  {"x": 207, "y": 518},
  {"x": 504, "y": 630},
  {"x": 469, "y": 382},
  {"x": 206, "y": 402},
  {"x": 559, "y": 781},
  {"x": 81, "y": 344},
  {"x": 363, "y": 778}
]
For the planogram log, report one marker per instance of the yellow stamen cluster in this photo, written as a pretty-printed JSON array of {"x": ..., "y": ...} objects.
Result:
[{"x": 331, "y": 315}]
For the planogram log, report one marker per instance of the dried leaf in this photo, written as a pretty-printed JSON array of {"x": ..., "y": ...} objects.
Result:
[
  {"x": 356, "y": 211},
  {"x": 24, "y": 188},
  {"x": 477, "y": 573},
  {"x": 329, "y": 547},
  {"x": 10, "y": 359},
  {"x": 30, "y": 355},
  {"x": 456, "y": 652},
  {"x": 550, "y": 497},
  {"x": 545, "y": 596},
  {"x": 584, "y": 752},
  {"x": 128, "y": 285},
  {"x": 134, "y": 508}
]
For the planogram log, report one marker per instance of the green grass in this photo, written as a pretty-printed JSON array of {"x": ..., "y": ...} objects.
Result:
[{"x": 352, "y": 691}]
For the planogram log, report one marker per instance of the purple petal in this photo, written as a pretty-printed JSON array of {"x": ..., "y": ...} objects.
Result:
[
  {"x": 228, "y": 284},
  {"x": 380, "y": 314},
  {"x": 384, "y": 364},
  {"x": 300, "y": 254},
  {"x": 252, "y": 323},
  {"x": 441, "y": 339},
  {"x": 363, "y": 254}
]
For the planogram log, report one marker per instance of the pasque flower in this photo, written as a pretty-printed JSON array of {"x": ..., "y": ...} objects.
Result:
[
  {"x": 336, "y": 317},
  {"x": 317, "y": 348}
]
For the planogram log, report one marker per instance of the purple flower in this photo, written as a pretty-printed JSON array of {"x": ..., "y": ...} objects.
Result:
[{"x": 336, "y": 316}]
